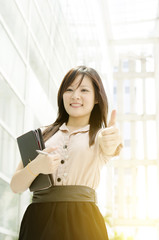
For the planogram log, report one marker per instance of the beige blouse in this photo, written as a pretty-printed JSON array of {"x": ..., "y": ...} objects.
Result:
[{"x": 80, "y": 164}]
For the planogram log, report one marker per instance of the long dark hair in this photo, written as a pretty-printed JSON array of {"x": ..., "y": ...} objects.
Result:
[{"x": 98, "y": 117}]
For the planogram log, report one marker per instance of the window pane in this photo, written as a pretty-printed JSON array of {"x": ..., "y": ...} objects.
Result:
[
  {"x": 38, "y": 66},
  {"x": 39, "y": 31},
  {"x": 139, "y": 140},
  {"x": 11, "y": 63},
  {"x": 150, "y": 64},
  {"x": 150, "y": 95},
  {"x": 115, "y": 193},
  {"x": 7, "y": 237},
  {"x": 139, "y": 96},
  {"x": 55, "y": 65},
  {"x": 141, "y": 193},
  {"x": 115, "y": 94},
  {"x": 15, "y": 23},
  {"x": 127, "y": 149},
  {"x": 11, "y": 110},
  {"x": 8, "y": 150},
  {"x": 151, "y": 140},
  {"x": 125, "y": 65},
  {"x": 138, "y": 66},
  {"x": 128, "y": 193},
  {"x": 24, "y": 5},
  {"x": 53, "y": 94},
  {"x": 126, "y": 96},
  {"x": 153, "y": 192},
  {"x": 46, "y": 13},
  {"x": 9, "y": 207}
]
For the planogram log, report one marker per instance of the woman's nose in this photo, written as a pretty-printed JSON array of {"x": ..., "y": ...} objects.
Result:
[{"x": 75, "y": 94}]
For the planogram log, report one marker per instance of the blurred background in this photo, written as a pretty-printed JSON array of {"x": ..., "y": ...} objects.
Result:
[{"x": 40, "y": 40}]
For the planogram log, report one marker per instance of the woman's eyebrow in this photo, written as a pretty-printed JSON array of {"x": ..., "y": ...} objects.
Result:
[{"x": 84, "y": 86}]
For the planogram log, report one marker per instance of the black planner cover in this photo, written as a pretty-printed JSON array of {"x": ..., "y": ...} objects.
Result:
[{"x": 28, "y": 143}]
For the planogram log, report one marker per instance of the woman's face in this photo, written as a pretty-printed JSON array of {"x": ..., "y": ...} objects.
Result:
[{"x": 79, "y": 102}]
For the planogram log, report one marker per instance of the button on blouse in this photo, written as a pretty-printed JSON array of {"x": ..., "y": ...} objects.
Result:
[{"x": 80, "y": 164}]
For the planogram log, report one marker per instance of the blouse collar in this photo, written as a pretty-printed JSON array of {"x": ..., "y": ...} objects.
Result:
[{"x": 64, "y": 127}]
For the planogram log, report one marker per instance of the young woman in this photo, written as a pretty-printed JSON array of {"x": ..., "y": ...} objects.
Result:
[{"x": 78, "y": 144}]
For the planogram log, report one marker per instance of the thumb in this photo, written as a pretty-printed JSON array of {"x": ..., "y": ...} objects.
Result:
[
  {"x": 50, "y": 149},
  {"x": 112, "y": 119}
]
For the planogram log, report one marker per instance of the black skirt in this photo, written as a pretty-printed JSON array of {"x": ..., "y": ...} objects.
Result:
[{"x": 63, "y": 221}]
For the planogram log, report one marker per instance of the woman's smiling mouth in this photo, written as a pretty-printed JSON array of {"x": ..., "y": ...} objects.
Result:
[{"x": 76, "y": 105}]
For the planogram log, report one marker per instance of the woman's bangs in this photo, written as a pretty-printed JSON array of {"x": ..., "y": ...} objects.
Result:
[{"x": 71, "y": 79}]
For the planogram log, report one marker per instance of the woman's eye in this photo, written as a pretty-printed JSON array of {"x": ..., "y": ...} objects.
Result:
[
  {"x": 69, "y": 89},
  {"x": 84, "y": 90}
]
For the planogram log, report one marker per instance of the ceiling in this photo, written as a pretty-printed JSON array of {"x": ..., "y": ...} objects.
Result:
[{"x": 129, "y": 27}]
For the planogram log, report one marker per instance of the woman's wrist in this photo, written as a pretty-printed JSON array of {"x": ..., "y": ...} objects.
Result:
[{"x": 32, "y": 168}]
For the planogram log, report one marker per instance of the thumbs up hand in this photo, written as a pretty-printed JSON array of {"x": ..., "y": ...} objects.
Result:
[{"x": 110, "y": 139}]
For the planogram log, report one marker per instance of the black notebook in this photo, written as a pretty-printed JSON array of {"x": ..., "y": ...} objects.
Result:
[{"x": 28, "y": 143}]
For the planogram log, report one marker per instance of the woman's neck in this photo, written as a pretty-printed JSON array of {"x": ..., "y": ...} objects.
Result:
[{"x": 76, "y": 124}]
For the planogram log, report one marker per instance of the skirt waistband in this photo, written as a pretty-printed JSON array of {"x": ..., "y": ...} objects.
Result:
[{"x": 67, "y": 193}]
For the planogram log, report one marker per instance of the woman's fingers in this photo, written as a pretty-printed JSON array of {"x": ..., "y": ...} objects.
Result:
[
  {"x": 110, "y": 137},
  {"x": 112, "y": 121},
  {"x": 109, "y": 131},
  {"x": 50, "y": 149},
  {"x": 56, "y": 157}
]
